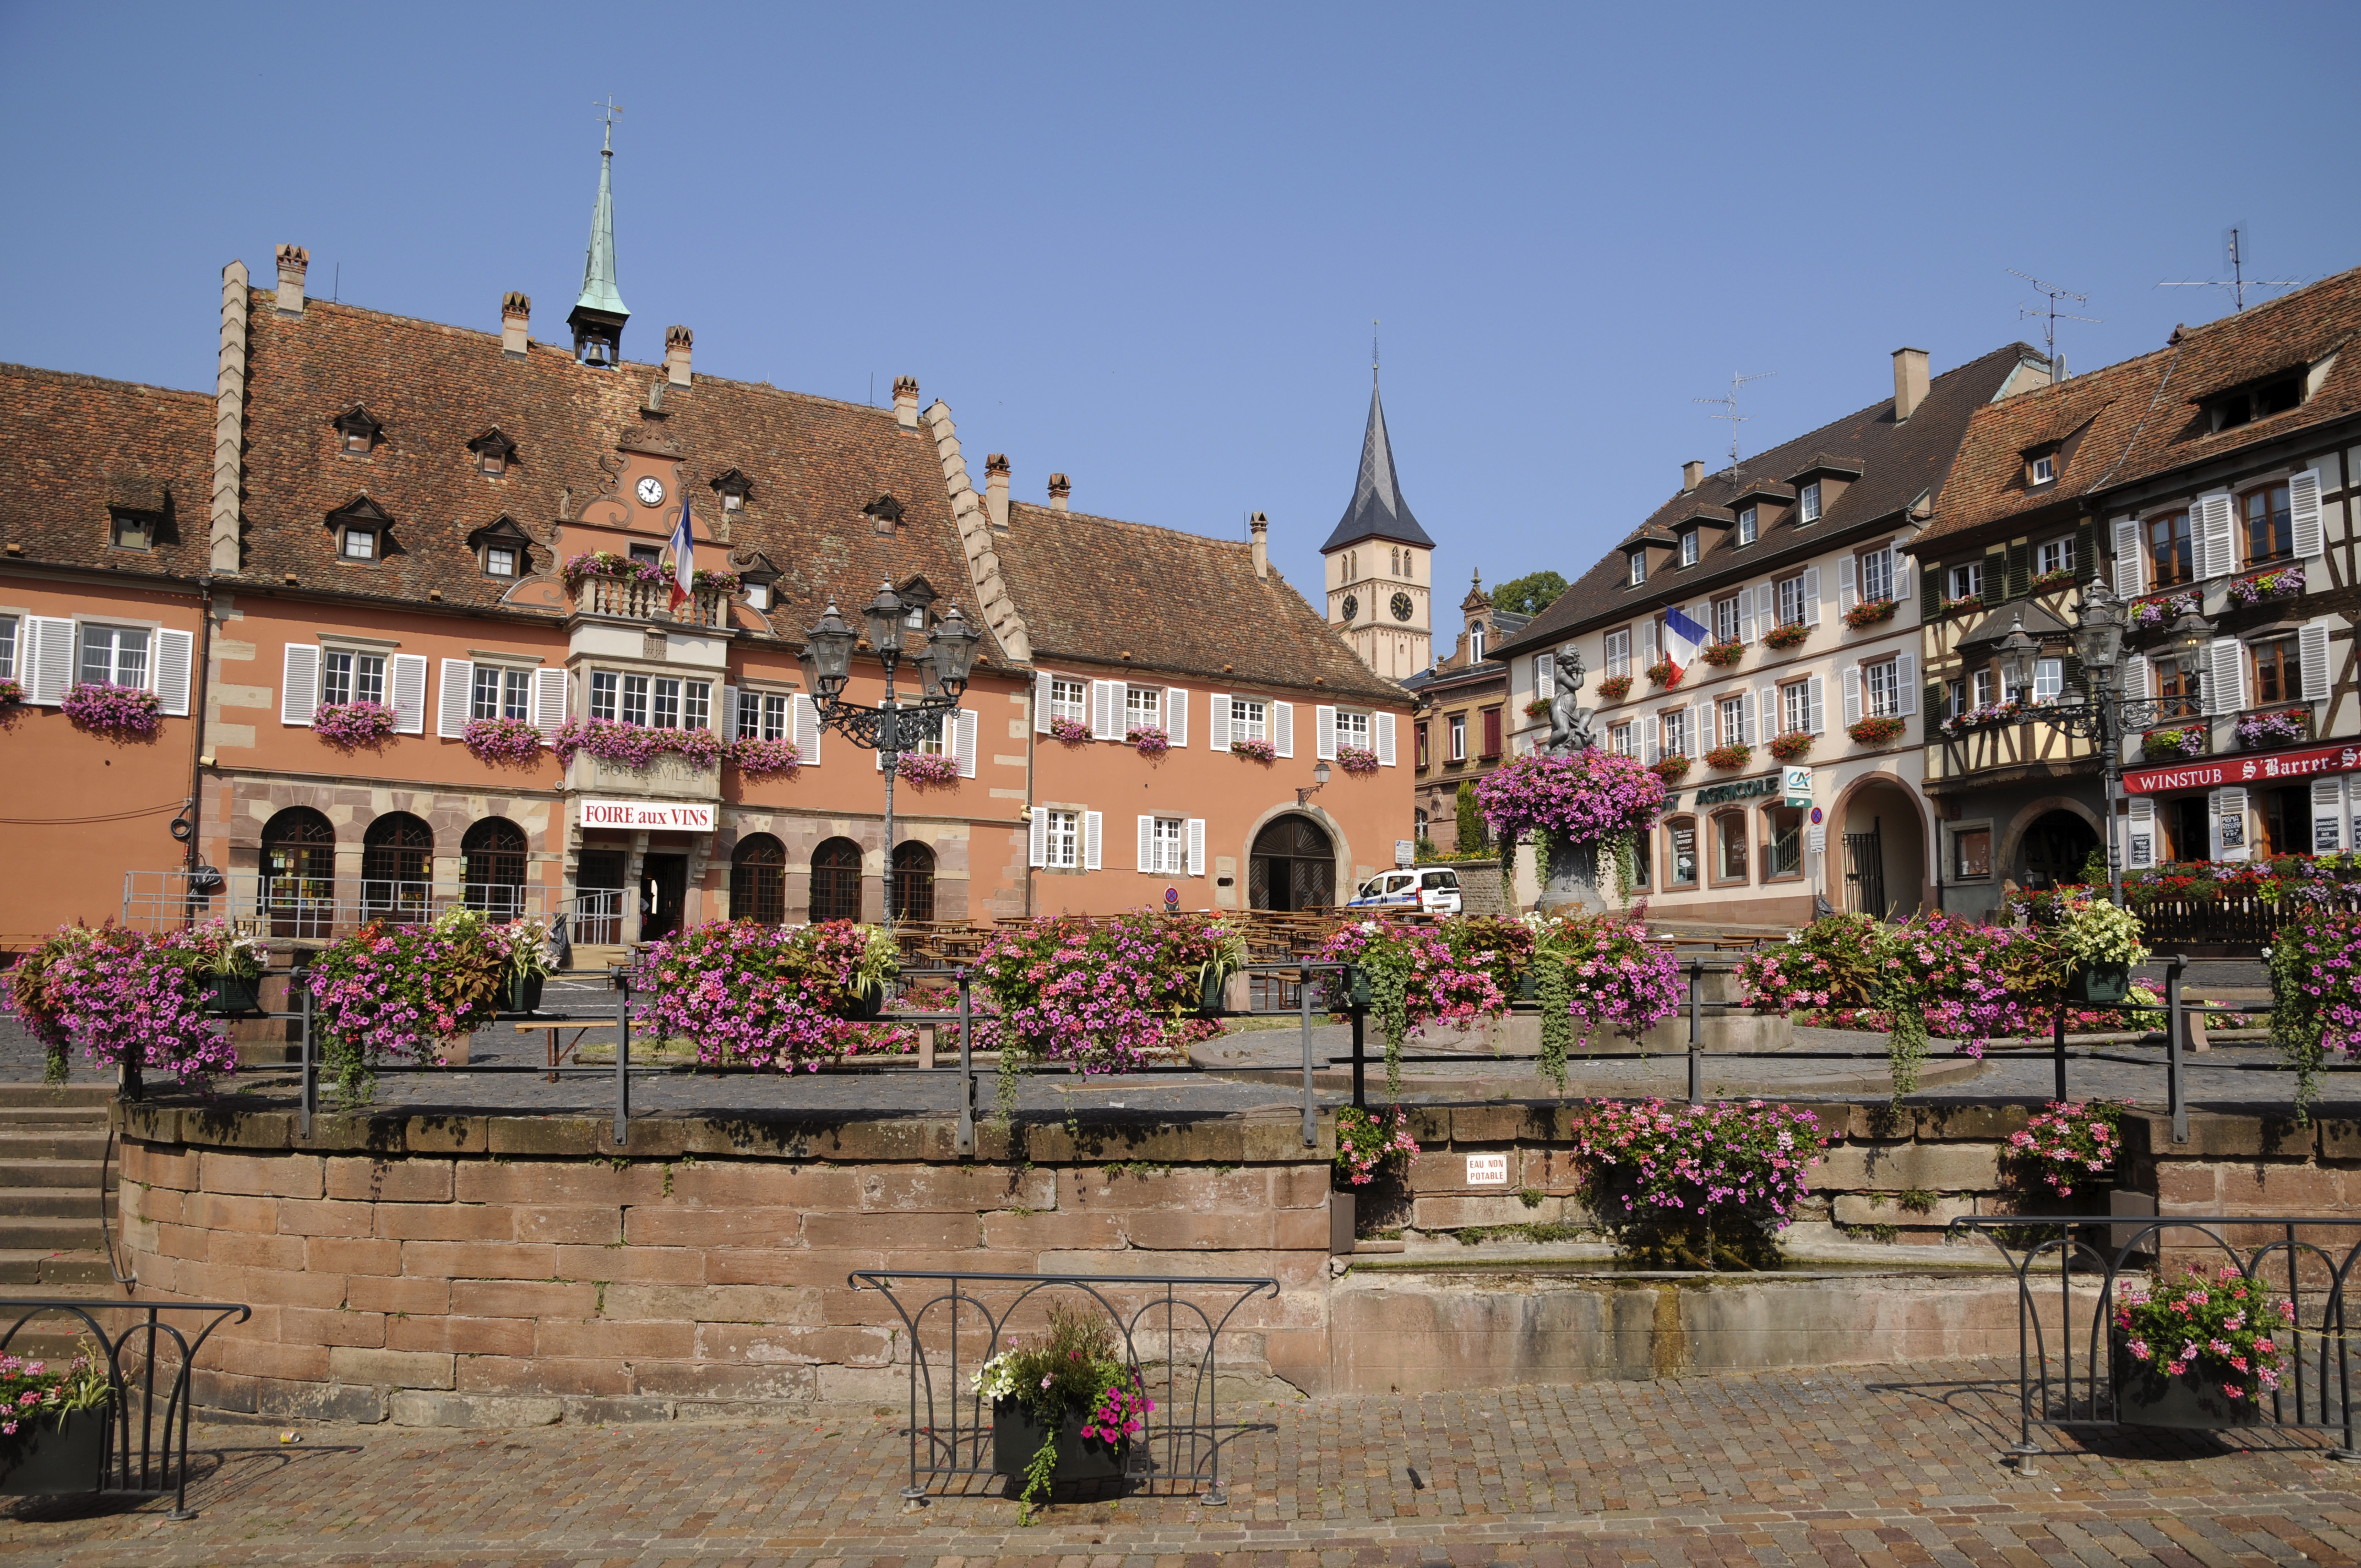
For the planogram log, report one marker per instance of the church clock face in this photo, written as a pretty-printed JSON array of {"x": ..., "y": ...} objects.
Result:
[
  {"x": 1352, "y": 606},
  {"x": 651, "y": 491},
  {"x": 1401, "y": 606}
]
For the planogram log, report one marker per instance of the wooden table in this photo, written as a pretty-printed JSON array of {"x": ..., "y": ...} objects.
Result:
[{"x": 579, "y": 1026}]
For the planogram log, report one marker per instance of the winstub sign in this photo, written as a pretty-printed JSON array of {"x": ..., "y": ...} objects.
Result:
[{"x": 2213, "y": 772}]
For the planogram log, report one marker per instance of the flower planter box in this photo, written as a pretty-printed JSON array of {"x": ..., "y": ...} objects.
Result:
[
  {"x": 1016, "y": 1437},
  {"x": 228, "y": 993},
  {"x": 523, "y": 993},
  {"x": 861, "y": 1007},
  {"x": 2100, "y": 983},
  {"x": 2147, "y": 1395},
  {"x": 1210, "y": 995},
  {"x": 53, "y": 1458}
]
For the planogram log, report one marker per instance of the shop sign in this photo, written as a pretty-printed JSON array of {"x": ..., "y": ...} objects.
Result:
[
  {"x": 2213, "y": 773},
  {"x": 656, "y": 815},
  {"x": 1797, "y": 782},
  {"x": 1744, "y": 789}
]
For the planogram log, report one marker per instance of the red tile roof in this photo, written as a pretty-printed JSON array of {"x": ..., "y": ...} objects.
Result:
[{"x": 78, "y": 446}]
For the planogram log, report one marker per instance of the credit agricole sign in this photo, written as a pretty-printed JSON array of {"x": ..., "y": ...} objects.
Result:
[
  {"x": 2213, "y": 772},
  {"x": 661, "y": 816}
]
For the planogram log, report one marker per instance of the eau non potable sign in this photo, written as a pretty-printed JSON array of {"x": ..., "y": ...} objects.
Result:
[{"x": 1488, "y": 1170}]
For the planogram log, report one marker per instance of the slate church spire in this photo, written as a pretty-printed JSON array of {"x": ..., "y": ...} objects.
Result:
[
  {"x": 1380, "y": 562},
  {"x": 597, "y": 317}
]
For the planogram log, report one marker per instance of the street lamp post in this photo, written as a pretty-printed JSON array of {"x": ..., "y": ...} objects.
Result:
[
  {"x": 892, "y": 727},
  {"x": 2101, "y": 713}
]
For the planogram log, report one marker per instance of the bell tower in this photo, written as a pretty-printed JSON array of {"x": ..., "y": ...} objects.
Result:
[{"x": 1380, "y": 565}]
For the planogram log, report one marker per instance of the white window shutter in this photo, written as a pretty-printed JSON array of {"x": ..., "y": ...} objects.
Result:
[
  {"x": 1544, "y": 676},
  {"x": 1282, "y": 728},
  {"x": 2216, "y": 535},
  {"x": 1815, "y": 693},
  {"x": 2136, "y": 681},
  {"x": 549, "y": 702},
  {"x": 2229, "y": 814},
  {"x": 1650, "y": 750},
  {"x": 1905, "y": 676},
  {"x": 1701, "y": 728},
  {"x": 1176, "y": 714},
  {"x": 1812, "y": 594},
  {"x": 2226, "y": 665},
  {"x": 1040, "y": 854},
  {"x": 1099, "y": 710},
  {"x": 2311, "y": 648},
  {"x": 50, "y": 659},
  {"x": 1900, "y": 577},
  {"x": 1847, "y": 591},
  {"x": 2327, "y": 815},
  {"x": 804, "y": 713},
  {"x": 299, "y": 691},
  {"x": 725, "y": 714},
  {"x": 1323, "y": 733},
  {"x": 1384, "y": 725},
  {"x": 170, "y": 667},
  {"x": 2131, "y": 569},
  {"x": 1041, "y": 707},
  {"x": 964, "y": 739},
  {"x": 1094, "y": 827},
  {"x": 458, "y": 685},
  {"x": 405, "y": 679},
  {"x": 1746, "y": 718},
  {"x": 2303, "y": 510},
  {"x": 2140, "y": 853},
  {"x": 1746, "y": 614},
  {"x": 1648, "y": 642},
  {"x": 1196, "y": 838},
  {"x": 1147, "y": 862},
  {"x": 1852, "y": 694},
  {"x": 1217, "y": 722}
]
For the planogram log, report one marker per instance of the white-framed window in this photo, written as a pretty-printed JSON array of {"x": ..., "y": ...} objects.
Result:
[
  {"x": 1064, "y": 847},
  {"x": 1791, "y": 601},
  {"x": 1733, "y": 711},
  {"x": 2048, "y": 679},
  {"x": 1674, "y": 723},
  {"x": 1142, "y": 707},
  {"x": 1807, "y": 503},
  {"x": 762, "y": 715},
  {"x": 499, "y": 560},
  {"x": 500, "y": 693},
  {"x": 1476, "y": 642},
  {"x": 1167, "y": 847},
  {"x": 603, "y": 685},
  {"x": 2057, "y": 555},
  {"x": 1619, "y": 653},
  {"x": 1725, "y": 619},
  {"x": 1639, "y": 566},
  {"x": 359, "y": 543},
  {"x": 1746, "y": 526},
  {"x": 1982, "y": 687},
  {"x": 2045, "y": 469},
  {"x": 1881, "y": 689},
  {"x": 349, "y": 676},
  {"x": 1619, "y": 740},
  {"x": 7, "y": 647},
  {"x": 116, "y": 655},
  {"x": 757, "y": 596},
  {"x": 1352, "y": 729},
  {"x": 1877, "y": 575},
  {"x": 1458, "y": 738},
  {"x": 1689, "y": 547},
  {"x": 1967, "y": 581},
  {"x": 1069, "y": 699},
  {"x": 660, "y": 702},
  {"x": 1249, "y": 718},
  {"x": 1795, "y": 707}
]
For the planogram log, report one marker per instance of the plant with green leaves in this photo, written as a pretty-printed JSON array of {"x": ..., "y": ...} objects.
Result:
[{"x": 1073, "y": 1370}]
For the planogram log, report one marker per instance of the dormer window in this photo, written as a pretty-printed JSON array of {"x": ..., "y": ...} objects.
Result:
[
  {"x": 499, "y": 560},
  {"x": 132, "y": 530},
  {"x": 360, "y": 528},
  {"x": 2043, "y": 469},
  {"x": 733, "y": 488},
  {"x": 356, "y": 442},
  {"x": 1807, "y": 503},
  {"x": 2250, "y": 404},
  {"x": 757, "y": 596},
  {"x": 1746, "y": 526},
  {"x": 758, "y": 574},
  {"x": 494, "y": 453},
  {"x": 359, "y": 542},
  {"x": 886, "y": 510},
  {"x": 1689, "y": 547},
  {"x": 358, "y": 431},
  {"x": 1476, "y": 644},
  {"x": 1639, "y": 567},
  {"x": 502, "y": 548}
]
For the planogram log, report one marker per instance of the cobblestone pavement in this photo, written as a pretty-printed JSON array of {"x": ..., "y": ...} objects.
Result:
[{"x": 1869, "y": 1468}]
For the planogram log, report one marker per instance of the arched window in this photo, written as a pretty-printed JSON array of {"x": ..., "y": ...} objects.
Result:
[
  {"x": 491, "y": 868},
  {"x": 397, "y": 861},
  {"x": 758, "y": 880},
  {"x": 1394, "y": 556},
  {"x": 836, "y": 881},
  {"x": 299, "y": 869},
  {"x": 914, "y": 882}
]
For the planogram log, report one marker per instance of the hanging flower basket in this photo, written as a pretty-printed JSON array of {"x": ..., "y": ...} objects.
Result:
[
  {"x": 129, "y": 998},
  {"x": 2268, "y": 731},
  {"x": 2173, "y": 745},
  {"x": 1259, "y": 750},
  {"x": 2197, "y": 1351},
  {"x": 507, "y": 741},
  {"x": 113, "y": 710},
  {"x": 927, "y": 769},
  {"x": 1728, "y": 759},
  {"x": 1786, "y": 637},
  {"x": 2064, "y": 1146},
  {"x": 766, "y": 759},
  {"x": 1148, "y": 739},
  {"x": 1877, "y": 731},
  {"x": 2285, "y": 583},
  {"x": 1721, "y": 655},
  {"x": 1664, "y": 673},
  {"x": 1672, "y": 769},
  {"x": 1070, "y": 732},
  {"x": 1357, "y": 759},
  {"x": 635, "y": 745},
  {"x": 1615, "y": 688},
  {"x": 1694, "y": 1186},
  {"x": 226, "y": 994},
  {"x": 1368, "y": 1146},
  {"x": 774, "y": 997},
  {"x": 1788, "y": 747}
]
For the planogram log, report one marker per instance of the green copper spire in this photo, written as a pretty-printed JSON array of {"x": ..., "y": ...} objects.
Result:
[{"x": 598, "y": 291}]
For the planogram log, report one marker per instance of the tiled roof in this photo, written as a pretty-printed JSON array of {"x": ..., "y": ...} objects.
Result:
[
  {"x": 1378, "y": 509},
  {"x": 1096, "y": 589},
  {"x": 78, "y": 446},
  {"x": 1897, "y": 464},
  {"x": 2141, "y": 418}
]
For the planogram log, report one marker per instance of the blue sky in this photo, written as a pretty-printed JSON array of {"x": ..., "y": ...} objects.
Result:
[{"x": 1145, "y": 246}]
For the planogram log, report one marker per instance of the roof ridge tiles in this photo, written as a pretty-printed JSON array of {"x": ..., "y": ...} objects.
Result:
[{"x": 79, "y": 378}]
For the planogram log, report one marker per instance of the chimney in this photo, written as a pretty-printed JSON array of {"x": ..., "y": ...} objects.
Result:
[
  {"x": 906, "y": 401},
  {"x": 516, "y": 323},
  {"x": 1909, "y": 382},
  {"x": 1061, "y": 490},
  {"x": 1258, "y": 528},
  {"x": 293, "y": 262},
  {"x": 676, "y": 344},
  {"x": 1692, "y": 474},
  {"x": 995, "y": 488}
]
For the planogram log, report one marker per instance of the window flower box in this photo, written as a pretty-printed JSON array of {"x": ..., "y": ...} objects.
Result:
[
  {"x": 927, "y": 769},
  {"x": 1615, "y": 688},
  {"x": 1536, "y": 709},
  {"x": 2285, "y": 583},
  {"x": 113, "y": 710},
  {"x": 2156, "y": 614},
  {"x": 1357, "y": 759},
  {"x": 1148, "y": 739},
  {"x": 1672, "y": 769},
  {"x": 1663, "y": 673},
  {"x": 766, "y": 759},
  {"x": 353, "y": 723},
  {"x": 11, "y": 693},
  {"x": 1728, "y": 759},
  {"x": 1869, "y": 613},
  {"x": 2268, "y": 731},
  {"x": 1070, "y": 732},
  {"x": 1786, "y": 637},
  {"x": 1877, "y": 731},
  {"x": 1788, "y": 747},
  {"x": 1721, "y": 655},
  {"x": 2173, "y": 745},
  {"x": 636, "y": 745},
  {"x": 2051, "y": 581},
  {"x": 1967, "y": 606},
  {"x": 510, "y": 740},
  {"x": 1991, "y": 716},
  {"x": 1256, "y": 750}
]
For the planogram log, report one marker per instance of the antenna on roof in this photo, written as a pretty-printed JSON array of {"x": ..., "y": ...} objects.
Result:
[
  {"x": 1729, "y": 403},
  {"x": 2235, "y": 240},
  {"x": 2053, "y": 316}
]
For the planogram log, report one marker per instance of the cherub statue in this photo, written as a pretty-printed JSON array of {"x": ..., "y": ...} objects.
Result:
[{"x": 1569, "y": 720}]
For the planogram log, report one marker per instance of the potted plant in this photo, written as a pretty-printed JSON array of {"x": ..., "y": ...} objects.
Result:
[
  {"x": 1367, "y": 1147},
  {"x": 1214, "y": 973},
  {"x": 528, "y": 966},
  {"x": 2199, "y": 1352},
  {"x": 1614, "y": 689},
  {"x": 53, "y": 1424},
  {"x": 2065, "y": 1147},
  {"x": 1694, "y": 1186},
  {"x": 2097, "y": 944},
  {"x": 1786, "y": 637},
  {"x": 1064, "y": 1408},
  {"x": 1664, "y": 673},
  {"x": 227, "y": 969}
]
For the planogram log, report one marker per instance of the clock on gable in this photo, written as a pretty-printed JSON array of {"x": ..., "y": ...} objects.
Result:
[
  {"x": 1402, "y": 606},
  {"x": 651, "y": 491},
  {"x": 1351, "y": 607}
]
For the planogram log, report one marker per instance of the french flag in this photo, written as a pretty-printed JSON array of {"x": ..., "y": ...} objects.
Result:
[
  {"x": 684, "y": 558},
  {"x": 1683, "y": 638}
]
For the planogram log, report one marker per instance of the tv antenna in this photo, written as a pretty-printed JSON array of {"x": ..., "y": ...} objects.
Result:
[
  {"x": 2234, "y": 245},
  {"x": 2053, "y": 316},
  {"x": 1729, "y": 406}
]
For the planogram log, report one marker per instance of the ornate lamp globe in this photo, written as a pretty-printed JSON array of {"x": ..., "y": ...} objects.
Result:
[
  {"x": 827, "y": 656},
  {"x": 2099, "y": 629},
  {"x": 884, "y": 616},
  {"x": 953, "y": 645},
  {"x": 2017, "y": 652}
]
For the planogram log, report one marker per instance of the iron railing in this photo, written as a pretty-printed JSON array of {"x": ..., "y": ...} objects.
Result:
[
  {"x": 306, "y": 908},
  {"x": 949, "y": 1435}
]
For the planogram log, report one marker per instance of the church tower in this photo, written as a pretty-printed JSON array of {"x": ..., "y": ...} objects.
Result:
[
  {"x": 1381, "y": 565},
  {"x": 597, "y": 317}
]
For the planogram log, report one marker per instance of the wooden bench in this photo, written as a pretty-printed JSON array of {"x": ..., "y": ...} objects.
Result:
[{"x": 579, "y": 1026}]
